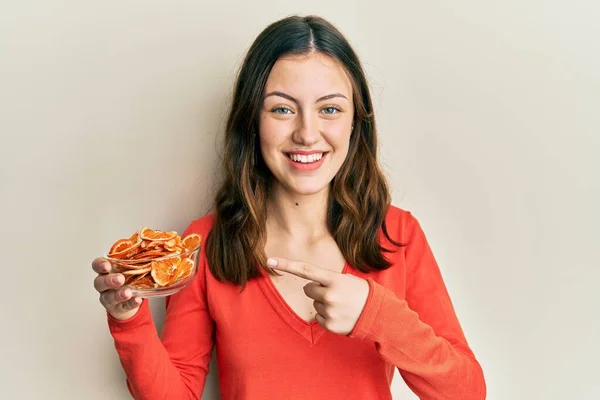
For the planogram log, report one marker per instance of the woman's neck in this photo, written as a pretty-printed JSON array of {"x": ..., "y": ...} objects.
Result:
[{"x": 303, "y": 218}]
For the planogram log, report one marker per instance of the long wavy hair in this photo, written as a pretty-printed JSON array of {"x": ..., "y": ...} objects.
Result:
[{"x": 359, "y": 195}]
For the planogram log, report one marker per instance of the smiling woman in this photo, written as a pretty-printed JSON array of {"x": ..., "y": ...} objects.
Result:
[
  {"x": 311, "y": 284},
  {"x": 313, "y": 134},
  {"x": 303, "y": 160},
  {"x": 301, "y": 131}
]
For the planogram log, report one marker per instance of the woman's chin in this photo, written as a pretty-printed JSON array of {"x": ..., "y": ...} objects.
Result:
[{"x": 307, "y": 188}]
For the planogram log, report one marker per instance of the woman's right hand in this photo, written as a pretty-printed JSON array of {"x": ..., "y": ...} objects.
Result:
[{"x": 116, "y": 299}]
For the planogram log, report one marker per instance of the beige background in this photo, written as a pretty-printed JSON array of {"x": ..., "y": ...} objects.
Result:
[{"x": 489, "y": 124}]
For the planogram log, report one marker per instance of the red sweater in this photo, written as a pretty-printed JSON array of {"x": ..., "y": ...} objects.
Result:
[{"x": 266, "y": 351}]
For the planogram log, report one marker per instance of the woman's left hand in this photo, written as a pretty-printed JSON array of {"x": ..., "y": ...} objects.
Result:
[{"x": 338, "y": 298}]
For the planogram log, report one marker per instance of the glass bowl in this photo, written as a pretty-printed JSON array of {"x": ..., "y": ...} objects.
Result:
[{"x": 157, "y": 276}]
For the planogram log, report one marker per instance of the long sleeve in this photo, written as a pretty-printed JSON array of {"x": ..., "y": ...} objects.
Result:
[
  {"x": 421, "y": 335},
  {"x": 175, "y": 365}
]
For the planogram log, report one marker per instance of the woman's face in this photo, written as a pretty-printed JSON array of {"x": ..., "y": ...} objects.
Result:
[{"x": 306, "y": 121}]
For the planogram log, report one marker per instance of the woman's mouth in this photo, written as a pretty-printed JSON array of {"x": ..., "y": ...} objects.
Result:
[{"x": 306, "y": 162}]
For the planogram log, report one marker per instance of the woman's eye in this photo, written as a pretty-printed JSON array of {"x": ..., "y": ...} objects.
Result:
[
  {"x": 282, "y": 111},
  {"x": 331, "y": 110}
]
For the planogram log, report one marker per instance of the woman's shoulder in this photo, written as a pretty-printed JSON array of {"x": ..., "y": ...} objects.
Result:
[
  {"x": 399, "y": 222},
  {"x": 201, "y": 225},
  {"x": 396, "y": 213}
]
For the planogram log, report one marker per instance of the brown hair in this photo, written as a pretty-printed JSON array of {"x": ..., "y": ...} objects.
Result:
[{"x": 359, "y": 197}]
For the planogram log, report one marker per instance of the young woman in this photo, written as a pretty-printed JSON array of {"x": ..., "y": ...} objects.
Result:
[{"x": 311, "y": 284}]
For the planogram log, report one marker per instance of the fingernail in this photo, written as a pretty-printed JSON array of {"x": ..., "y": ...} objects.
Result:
[
  {"x": 271, "y": 262},
  {"x": 126, "y": 293},
  {"x": 117, "y": 280},
  {"x": 137, "y": 300}
]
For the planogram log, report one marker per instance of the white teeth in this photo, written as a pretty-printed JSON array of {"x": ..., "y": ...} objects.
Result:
[{"x": 306, "y": 159}]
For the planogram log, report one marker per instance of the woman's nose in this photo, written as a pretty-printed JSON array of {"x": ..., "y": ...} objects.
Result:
[{"x": 308, "y": 132}]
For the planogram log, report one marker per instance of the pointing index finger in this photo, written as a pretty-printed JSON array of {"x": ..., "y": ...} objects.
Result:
[{"x": 302, "y": 269}]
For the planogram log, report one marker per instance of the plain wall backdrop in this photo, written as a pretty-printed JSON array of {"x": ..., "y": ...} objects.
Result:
[{"x": 488, "y": 115}]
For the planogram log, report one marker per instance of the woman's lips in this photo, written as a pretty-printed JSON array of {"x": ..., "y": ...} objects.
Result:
[{"x": 308, "y": 166}]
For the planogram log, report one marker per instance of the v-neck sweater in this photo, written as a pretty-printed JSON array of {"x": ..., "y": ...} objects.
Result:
[{"x": 266, "y": 351}]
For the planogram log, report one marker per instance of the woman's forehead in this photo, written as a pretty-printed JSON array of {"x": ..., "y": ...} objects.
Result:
[{"x": 308, "y": 76}]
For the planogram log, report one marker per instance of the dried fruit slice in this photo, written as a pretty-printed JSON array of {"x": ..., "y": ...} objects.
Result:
[
  {"x": 144, "y": 282},
  {"x": 118, "y": 267},
  {"x": 170, "y": 242},
  {"x": 155, "y": 244},
  {"x": 192, "y": 241},
  {"x": 174, "y": 248},
  {"x": 131, "y": 265},
  {"x": 185, "y": 268},
  {"x": 123, "y": 249},
  {"x": 130, "y": 278},
  {"x": 135, "y": 263},
  {"x": 136, "y": 271},
  {"x": 163, "y": 270},
  {"x": 119, "y": 246},
  {"x": 150, "y": 234},
  {"x": 148, "y": 255},
  {"x": 134, "y": 238}
]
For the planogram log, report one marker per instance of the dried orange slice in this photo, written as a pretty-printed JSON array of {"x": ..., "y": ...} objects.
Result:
[
  {"x": 156, "y": 244},
  {"x": 139, "y": 271},
  {"x": 185, "y": 268},
  {"x": 169, "y": 243},
  {"x": 192, "y": 241},
  {"x": 150, "y": 234},
  {"x": 147, "y": 255},
  {"x": 134, "y": 238},
  {"x": 144, "y": 282},
  {"x": 163, "y": 270},
  {"x": 174, "y": 248},
  {"x": 119, "y": 246},
  {"x": 123, "y": 248},
  {"x": 118, "y": 267},
  {"x": 133, "y": 265}
]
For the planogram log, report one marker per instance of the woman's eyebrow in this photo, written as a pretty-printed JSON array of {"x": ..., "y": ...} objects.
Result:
[{"x": 287, "y": 96}]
